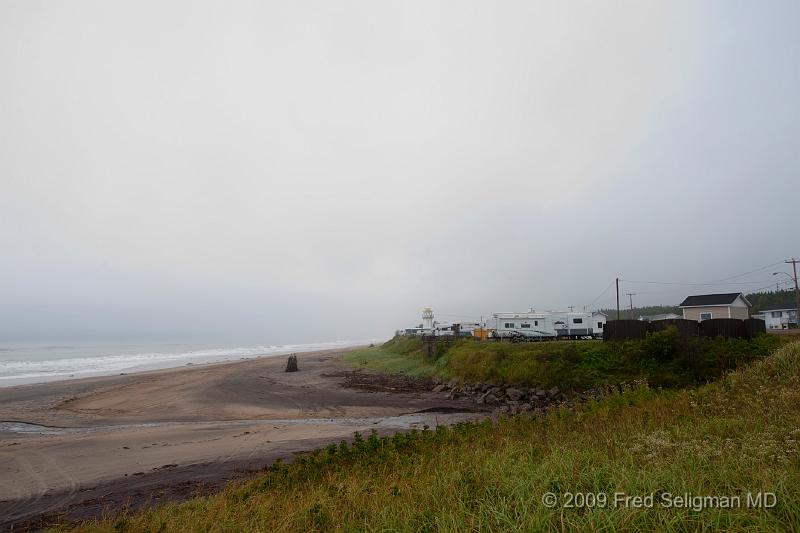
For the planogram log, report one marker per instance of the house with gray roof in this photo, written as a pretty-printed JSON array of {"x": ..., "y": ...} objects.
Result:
[{"x": 706, "y": 306}]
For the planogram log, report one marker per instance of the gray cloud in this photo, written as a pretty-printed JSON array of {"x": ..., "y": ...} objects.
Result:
[{"x": 323, "y": 170}]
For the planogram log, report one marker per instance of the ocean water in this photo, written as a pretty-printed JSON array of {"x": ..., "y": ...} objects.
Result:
[{"x": 37, "y": 363}]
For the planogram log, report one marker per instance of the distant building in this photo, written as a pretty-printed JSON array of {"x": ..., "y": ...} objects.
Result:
[
  {"x": 780, "y": 318},
  {"x": 654, "y": 318},
  {"x": 447, "y": 329},
  {"x": 707, "y": 306}
]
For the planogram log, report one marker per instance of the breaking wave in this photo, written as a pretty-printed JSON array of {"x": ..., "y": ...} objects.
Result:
[{"x": 49, "y": 363}]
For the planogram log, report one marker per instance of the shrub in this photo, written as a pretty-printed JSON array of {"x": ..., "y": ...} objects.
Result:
[
  {"x": 663, "y": 345},
  {"x": 663, "y": 359}
]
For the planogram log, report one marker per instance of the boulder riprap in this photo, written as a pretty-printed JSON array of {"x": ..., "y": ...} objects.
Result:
[
  {"x": 506, "y": 399},
  {"x": 514, "y": 394},
  {"x": 291, "y": 364}
]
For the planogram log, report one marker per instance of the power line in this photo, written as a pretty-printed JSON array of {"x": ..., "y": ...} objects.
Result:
[
  {"x": 715, "y": 282},
  {"x": 774, "y": 283},
  {"x": 601, "y": 294},
  {"x": 727, "y": 281},
  {"x": 691, "y": 283},
  {"x": 679, "y": 288},
  {"x": 752, "y": 271},
  {"x": 608, "y": 303}
]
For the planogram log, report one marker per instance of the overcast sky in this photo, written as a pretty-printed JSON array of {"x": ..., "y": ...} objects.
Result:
[{"x": 298, "y": 171}]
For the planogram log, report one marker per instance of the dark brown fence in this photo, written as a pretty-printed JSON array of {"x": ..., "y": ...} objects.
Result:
[
  {"x": 431, "y": 342},
  {"x": 621, "y": 330},
  {"x": 754, "y": 327},
  {"x": 729, "y": 328},
  {"x": 686, "y": 328}
]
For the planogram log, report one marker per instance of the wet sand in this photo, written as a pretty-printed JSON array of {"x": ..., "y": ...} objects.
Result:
[{"x": 75, "y": 449}]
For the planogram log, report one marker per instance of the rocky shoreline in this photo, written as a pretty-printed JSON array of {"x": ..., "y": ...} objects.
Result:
[
  {"x": 514, "y": 399},
  {"x": 497, "y": 398}
]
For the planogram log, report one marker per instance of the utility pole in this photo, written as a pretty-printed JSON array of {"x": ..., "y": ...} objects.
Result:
[
  {"x": 631, "y": 295},
  {"x": 794, "y": 262},
  {"x": 617, "y": 298}
]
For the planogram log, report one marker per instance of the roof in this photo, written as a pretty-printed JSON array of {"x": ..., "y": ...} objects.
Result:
[
  {"x": 524, "y": 315},
  {"x": 781, "y": 309},
  {"x": 712, "y": 299}
]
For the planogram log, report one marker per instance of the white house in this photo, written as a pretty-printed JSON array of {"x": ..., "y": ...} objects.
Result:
[{"x": 780, "y": 318}]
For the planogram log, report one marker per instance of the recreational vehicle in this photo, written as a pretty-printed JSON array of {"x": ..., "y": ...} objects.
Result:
[
  {"x": 448, "y": 329},
  {"x": 547, "y": 325}
]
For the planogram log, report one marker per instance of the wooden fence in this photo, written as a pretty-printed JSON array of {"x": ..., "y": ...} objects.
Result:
[
  {"x": 686, "y": 328},
  {"x": 729, "y": 328},
  {"x": 430, "y": 342},
  {"x": 622, "y": 330}
]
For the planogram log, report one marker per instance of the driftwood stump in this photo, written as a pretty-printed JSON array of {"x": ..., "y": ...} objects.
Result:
[{"x": 291, "y": 364}]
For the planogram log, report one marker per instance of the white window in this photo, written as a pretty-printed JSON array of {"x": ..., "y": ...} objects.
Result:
[
  {"x": 577, "y": 321},
  {"x": 525, "y": 326},
  {"x": 599, "y": 325},
  {"x": 509, "y": 325},
  {"x": 705, "y": 316},
  {"x": 776, "y": 314},
  {"x": 535, "y": 322}
]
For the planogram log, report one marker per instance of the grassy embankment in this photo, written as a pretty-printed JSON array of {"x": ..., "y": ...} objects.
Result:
[
  {"x": 663, "y": 359},
  {"x": 734, "y": 436}
]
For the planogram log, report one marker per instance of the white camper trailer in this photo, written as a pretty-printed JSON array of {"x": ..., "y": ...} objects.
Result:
[
  {"x": 528, "y": 326},
  {"x": 547, "y": 325},
  {"x": 578, "y": 325},
  {"x": 447, "y": 329}
]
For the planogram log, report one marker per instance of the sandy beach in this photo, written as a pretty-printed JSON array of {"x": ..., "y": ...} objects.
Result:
[{"x": 75, "y": 449}]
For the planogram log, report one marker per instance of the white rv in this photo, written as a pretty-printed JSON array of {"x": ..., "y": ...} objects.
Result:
[
  {"x": 577, "y": 325},
  {"x": 447, "y": 329},
  {"x": 547, "y": 325},
  {"x": 530, "y": 325}
]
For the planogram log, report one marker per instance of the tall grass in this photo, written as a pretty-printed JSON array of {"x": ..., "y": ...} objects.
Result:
[
  {"x": 664, "y": 359},
  {"x": 399, "y": 355},
  {"x": 737, "y": 435}
]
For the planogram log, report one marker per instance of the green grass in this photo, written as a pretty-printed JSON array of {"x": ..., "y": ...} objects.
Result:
[
  {"x": 663, "y": 359},
  {"x": 400, "y": 355},
  {"x": 737, "y": 435}
]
